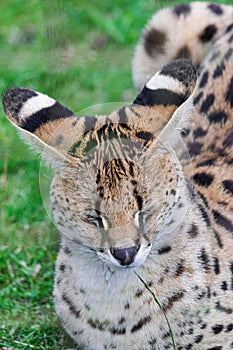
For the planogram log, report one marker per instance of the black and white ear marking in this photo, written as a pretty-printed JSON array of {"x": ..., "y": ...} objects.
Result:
[
  {"x": 39, "y": 120},
  {"x": 169, "y": 94},
  {"x": 28, "y": 109},
  {"x": 169, "y": 87}
]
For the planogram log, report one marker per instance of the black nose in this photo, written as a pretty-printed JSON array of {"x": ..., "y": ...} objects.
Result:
[{"x": 125, "y": 256}]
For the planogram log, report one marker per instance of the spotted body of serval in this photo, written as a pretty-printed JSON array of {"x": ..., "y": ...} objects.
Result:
[{"x": 147, "y": 193}]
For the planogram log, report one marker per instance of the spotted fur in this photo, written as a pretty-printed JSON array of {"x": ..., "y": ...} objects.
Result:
[{"x": 147, "y": 189}]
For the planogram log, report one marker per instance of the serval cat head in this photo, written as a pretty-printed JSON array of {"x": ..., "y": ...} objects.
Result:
[{"x": 117, "y": 177}]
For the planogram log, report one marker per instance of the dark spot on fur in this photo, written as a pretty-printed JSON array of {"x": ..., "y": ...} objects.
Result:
[
  {"x": 180, "y": 268},
  {"x": 74, "y": 148},
  {"x": 222, "y": 221},
  {"x": 223, "y": 308},
  {"x": 228, "y": 186},
  {"x": 72, "y": 307},
  {"x": 218, "y": 239},
  {"x": 142, "y": 322},
  {"x": 207, "y": 103},
  {"x": 183, "y": 9},
  {"x": 117, "y": 331},
  {"x": 207, "y": 162},
  {"x": 216, "y": 266},
  {"x": 87, "y": 307},
  {"x": 204, "y": 214},
  {"x": 127, "y": 306},
  {"x": 219, "y": 70},
  {"x": 201, "y": 295},
  {"x": 216, "y": 9},
  {"x": 122, "y": 320},
  {"x": 228, "y": 54},
  {"x": 198, "y": 338},
  {"x": 224, "y": 285},
  {"x": 229, "y": 161},
  {"x": 217, "y": 117},
  {"x": 145, "y": 135},
  {"x": 62, "y": 267},
  {"x": 229, "y": 94},
  {"x": 203, "y": 326},
  {"x": 197, "y": 98},
  {"x": 183, "y": 53},
  {"x": 67, "y": 251},
  {"x": 139, "y": 293},
  {"x": 199, "y": 132},
  {"x": 230, "y": 40},
  {"x": 229, "y": 327},
  {"x": 228, "y": 141},
  {"x": 204, "y": 260},
  {"x": 194, "y": 148},
  {"x": 208, "y": 33},
  {"x": 152, "y": 341},
  {"x": 203, "y": 179},
  {"x": 59, "y": 140},
  {"x": 217, "y": 328},
  {"x": 164, "y": 250},
  {"x": 204, "y": 80},
  {"x": 154, "y": 42},
  {"x": 193, "y": 231},
  {"x": 229, "y": 28},
  {"x": 96, "y": 324},
  {"x": 172, "y": 299},
  {"x": 166, "y": 335},
  {"x": 203, "y": 198}
]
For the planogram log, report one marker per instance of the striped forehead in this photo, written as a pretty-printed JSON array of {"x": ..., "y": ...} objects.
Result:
[{"x": 116, "y": 131}]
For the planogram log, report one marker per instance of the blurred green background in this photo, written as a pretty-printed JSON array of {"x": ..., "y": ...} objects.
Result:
[{"x": 80, "y": 53}]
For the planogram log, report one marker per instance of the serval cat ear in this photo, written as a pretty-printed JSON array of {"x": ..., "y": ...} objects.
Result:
[
  {"x": 169, "y": 88},
  {"x": 169, "y": 93},
  {"x": 41, "y": 120}
]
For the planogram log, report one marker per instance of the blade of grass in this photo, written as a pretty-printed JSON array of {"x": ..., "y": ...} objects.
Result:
[{"x": 159, "y": 305}]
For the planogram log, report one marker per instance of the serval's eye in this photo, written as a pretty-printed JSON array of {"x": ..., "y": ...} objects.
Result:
[{"x": 95, "y": 219}]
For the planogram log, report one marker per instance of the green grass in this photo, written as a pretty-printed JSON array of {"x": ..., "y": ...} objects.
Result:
[{"x": 81, "y": 55}]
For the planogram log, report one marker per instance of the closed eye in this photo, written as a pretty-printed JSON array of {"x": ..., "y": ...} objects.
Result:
[
  {"x": 141, "y": 217},
  {"x": 95, "y": 219}
]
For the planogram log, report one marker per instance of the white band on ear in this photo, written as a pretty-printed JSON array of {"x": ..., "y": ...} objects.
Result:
[
  {"x": 35, "y": 104},
  {"x": 159, "y": 81}
]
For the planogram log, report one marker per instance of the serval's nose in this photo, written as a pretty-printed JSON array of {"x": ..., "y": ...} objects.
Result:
[{"x": 125, "y": 256}]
